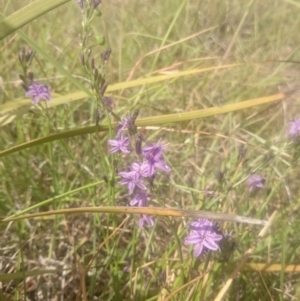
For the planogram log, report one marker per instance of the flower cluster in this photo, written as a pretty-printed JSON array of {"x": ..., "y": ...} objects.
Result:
[
  {"x": 294, "y": 129},
  {"x": 255, "y": 182},
  {"x": 37, "y": 92},
  {"x": 144, "y": 170},
  {"x": 203, "y": 236}
]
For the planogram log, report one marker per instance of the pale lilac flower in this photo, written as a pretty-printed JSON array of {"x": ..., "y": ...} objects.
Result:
[
  {"x": 142, "y": 170},
  {"x": 154, "y": 150},
  {"x": 255, "y": 182},
  {"x": 145, "y": 219},
  {"x": 203, "y": 236},
  {"x": 132, "y": 180},
  {"x": 37, "y": 92},
  {"x": 121, "y": 144},
  {"x": 294, "y": 129},
  {"x": 153, "y": 154},
  {"x": 127, "y": 124},
  {"x": 140, "y": 199}
]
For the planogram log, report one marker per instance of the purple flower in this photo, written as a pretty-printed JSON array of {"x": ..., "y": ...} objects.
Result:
[
  {"x": 202, "y": 236},
  {"x": 142, "y": 170},
  {"x": 127, "y": 123},
  {"x": 255, "y": 182},
  {"x": 294, "y": 129},
  {"x": 121, "y": 144},
  {"x": 145, "y": 219},
  {"x": 132, "y": 180},
  {"x": 153, "y": 154},
  {"x": 140, "y": 199},
  {"x": 38, "y": 91}
]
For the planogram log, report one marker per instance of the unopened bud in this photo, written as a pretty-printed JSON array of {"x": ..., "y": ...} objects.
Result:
[
  {"x": 106, "y": 54},
  {"x": 138, "y": 145},
  {"x": 30, "y": 76},
  {"x": 103, "y": 88},
  {"x": 93, "y": 63}
]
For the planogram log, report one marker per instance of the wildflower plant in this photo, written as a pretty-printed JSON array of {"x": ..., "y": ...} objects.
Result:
[
  {"x": 294, "y": 129},
  {"x": 147, "y": 161},
  {"x": 116, "y": 162},
  {"x": 34, "y": 90}
]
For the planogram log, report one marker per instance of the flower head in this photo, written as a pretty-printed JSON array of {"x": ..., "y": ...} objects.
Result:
[
  {"x": 140, "y": 199},
  {"x": 203, "y": 236},
  {"x": 153, "y": 154},
  {"x": 142, "y": 170},
  {"x": 127, "y": 124},
  {"x": 255, "y": 182},
  {"x": 120, "y": 144},
  {"x": 294, "y": 129},
  {"x": 37, "y": 92},
  {"x": 132, "y": 180}
]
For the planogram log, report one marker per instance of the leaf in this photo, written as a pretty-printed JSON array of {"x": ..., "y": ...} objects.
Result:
[
  {"x": 26, "y": 14},
  {"x": 7, "y": 109},
  {"x": 158, "y": 211},
  {"x": 156, "y": 120}
]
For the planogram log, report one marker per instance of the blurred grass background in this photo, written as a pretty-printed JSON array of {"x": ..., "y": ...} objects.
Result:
[{"x": 147, "y": 39}]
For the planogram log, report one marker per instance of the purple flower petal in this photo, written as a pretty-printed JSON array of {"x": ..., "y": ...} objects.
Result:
[
  {"x": 140, "y": 199},
  {"x": 193, "y": 239},
  {"x": 37, "y": 92},
  {"x": 145, "y": 219},
  {"x": 255, "y": 182},
  {"x": 153, "y": 154},
  {"x": 141, "y": 169},
  {"x": 120, "y": 145},
  {"x": 294, "y": 129},
  {"x": 203, "y": 236},
  {"x": 132, "y": 180},
  {"x": 198, "y": 249}
]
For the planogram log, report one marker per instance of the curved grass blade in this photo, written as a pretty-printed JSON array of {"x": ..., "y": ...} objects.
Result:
[
  {"x": 56, "y": 198},
  {"x": 26, "y": 14},
  {"x": 156, "y": 120},
  {"x": 8, "y": 108},
  {"x": 146, "y": 210}
]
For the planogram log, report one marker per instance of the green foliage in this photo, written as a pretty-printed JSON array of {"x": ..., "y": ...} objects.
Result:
[{"x": 205, "y": 77}]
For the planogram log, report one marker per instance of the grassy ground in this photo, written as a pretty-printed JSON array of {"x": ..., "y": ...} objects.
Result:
[{"x": 88, "y": 256}]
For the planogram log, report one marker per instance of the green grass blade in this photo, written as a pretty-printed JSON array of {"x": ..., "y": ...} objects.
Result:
[
  {"x": 8, "y": 113},
  {"x": 158, "y": 211},
  {"x": 149, "y": 121},
  {"x": 26, "y": 14}
]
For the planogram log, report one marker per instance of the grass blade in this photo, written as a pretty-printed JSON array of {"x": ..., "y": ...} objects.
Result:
[{"x": 26, "y": 14}]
